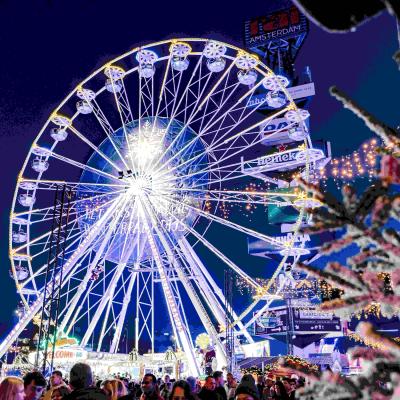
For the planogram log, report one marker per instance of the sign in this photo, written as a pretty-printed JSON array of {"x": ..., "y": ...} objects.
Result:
[
  {"x": 283, "y": 24},
  {"x": 296, "y": 92},
  {"x": 305, "y": 321},
  {"x": 257, "y": 247},
  {"x": 257, "y": 349}
]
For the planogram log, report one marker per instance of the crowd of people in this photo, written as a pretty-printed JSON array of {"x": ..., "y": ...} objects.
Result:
[{"x": 81, "y": 385}]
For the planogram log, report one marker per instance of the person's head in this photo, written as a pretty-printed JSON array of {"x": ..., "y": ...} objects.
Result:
[
  {"x": 247, "y": 389},
  {"x": 114, "y": 388},
  {"x": 56, "y": 378},
  {"x": 81, "y": 376},
  {"x": 180, "y": 391},
  {"x": 280, "y": 389},
  {"x": 219, "y": 378},
  {"x": 149, "y": 383},
  {"x": 209, "y": 384},
  {"x": 166, "y": 379},
  {"x": 34, "y": 385},
  {"x": 269, "y": 381},
  {"x": 192, "y": 382},
  {"x": 288, "y": 385},
  {"x": 12, "y": 388},
  {"x": 59, "y": 393}
]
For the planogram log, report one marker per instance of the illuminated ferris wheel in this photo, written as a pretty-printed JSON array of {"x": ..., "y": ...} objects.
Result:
[{"x": 152, "y": 144}]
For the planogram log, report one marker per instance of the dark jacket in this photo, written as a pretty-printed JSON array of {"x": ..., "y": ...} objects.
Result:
[
  {"x": 220, "y": 390},
  {"x": 206, "y": 394},
  {"x": 92, "y": 393}
]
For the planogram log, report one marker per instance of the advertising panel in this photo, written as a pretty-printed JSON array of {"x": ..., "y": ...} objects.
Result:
[{"x": 305, "y": 321}]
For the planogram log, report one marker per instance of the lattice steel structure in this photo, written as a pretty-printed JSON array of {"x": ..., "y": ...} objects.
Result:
[{"x": 153, "y": 144}]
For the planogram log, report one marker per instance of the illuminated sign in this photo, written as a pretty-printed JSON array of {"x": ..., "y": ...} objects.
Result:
[
  {"x": 283, "y": 24},
  {"x": 305, "y": 321},
  {"x": 295, "y": 92}
]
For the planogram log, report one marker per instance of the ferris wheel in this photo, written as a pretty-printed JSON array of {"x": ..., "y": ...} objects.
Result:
[{"x": 151, "y": 144}]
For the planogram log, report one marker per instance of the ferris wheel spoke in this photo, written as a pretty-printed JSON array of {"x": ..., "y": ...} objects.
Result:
[
  {"x": 64, "y": 226},
  {"x": 45, "y": 210},
  {"x": 99, "y": 253},
  {"x": 221, "y": 142},
  {"x": 228, "y": 223},
  {"x": 123, "y": 108},
  {"x": 105, "y": 125},
  {"x": 179, "y": 320},
  {"x": 81, "y": 166},
  {"x": 92, "y": 187},
  {"x": 217, "y": 252},
  {"x": 122, "y": 316},
  {"x": 93, "y": 147},
  {"x": 196, "y": 110}
]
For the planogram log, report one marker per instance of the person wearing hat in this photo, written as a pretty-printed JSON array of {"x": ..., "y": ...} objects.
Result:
[{"x": 247, "y": 389}]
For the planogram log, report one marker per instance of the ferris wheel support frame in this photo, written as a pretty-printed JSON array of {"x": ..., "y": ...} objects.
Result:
[
  {"x": 211, "y": 289},
  {"x": 33, "y": 309}
]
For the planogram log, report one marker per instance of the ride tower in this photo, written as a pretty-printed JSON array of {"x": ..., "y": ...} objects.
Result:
[{"x": 289, "y": 312}]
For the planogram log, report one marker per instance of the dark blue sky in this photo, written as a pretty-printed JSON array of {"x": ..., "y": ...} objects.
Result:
[{"x": 47, "y": 47}]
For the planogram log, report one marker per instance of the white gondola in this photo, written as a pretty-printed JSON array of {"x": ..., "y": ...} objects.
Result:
[
  {"x": 19, "y": 236},
  {"x": 86, "y": 94},
  {"x": 276, "y": 99},
  {"x": 26, "y": 199},
  {"x": 146, "y": 70},
  {"x": 275, "y": 83},
  {"x": 248, "y": 77},
  {"x": 179, "y": 63},
  {"x": 310, "y": 155},
  {"x": 113, "y": 86},
  {"x": 298, "y": 133},
  {"x": 84, "y": 107},
  {"x": 214, "y": 50},
  {"x": 246, "y": 61},
  {"x": 297, "y": 115},
  {"x": 59, "y": 134},
  {"x": 179, "y": 53},
  {"x": 216, "y": 64},
  {"x": 21, "y": 272},
  {"x": 40, "y": 165}
]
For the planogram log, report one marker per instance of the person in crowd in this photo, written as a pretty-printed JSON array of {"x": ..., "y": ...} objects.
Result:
[
  {"x": 34, "y": 385},
  {"x": 280, "y": 392},
  {"x": 82, "y": 384},
  {"x": 56, "y": 380},
  {"x": 12, "y": 388},
  {"x": 268, "y": 389},
  {"x": 247, "y": 389},
  {"x": 114, "y": 389},
  {"x": 194, "y": 386},
  {"x": 231, "y": 386},
  {"x": 150, "y": 388},
  {"x": 220, "y": 385},
  {"x": 60, "y": 392},
  {"x": 208, "y": 392},
  {"x": 290, "y": 386},
  {"x": 166, "y": 387},
  {"x": 181, "y": 391},
  {"x": 260, "y": 385}
]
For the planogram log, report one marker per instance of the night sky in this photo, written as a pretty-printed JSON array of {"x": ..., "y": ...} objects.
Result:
[{"x": 48, "y": 47}]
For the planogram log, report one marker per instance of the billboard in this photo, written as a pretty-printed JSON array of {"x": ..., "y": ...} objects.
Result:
[
  {"x": 304, "y": 321},
  {"x": 283, "y": 24}
]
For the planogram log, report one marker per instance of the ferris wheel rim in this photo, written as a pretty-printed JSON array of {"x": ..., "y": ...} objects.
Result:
[{"x": 80, "y": 86}]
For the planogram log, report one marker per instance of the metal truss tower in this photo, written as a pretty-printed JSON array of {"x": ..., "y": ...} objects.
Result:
[{"x": 53, "y": 280}]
